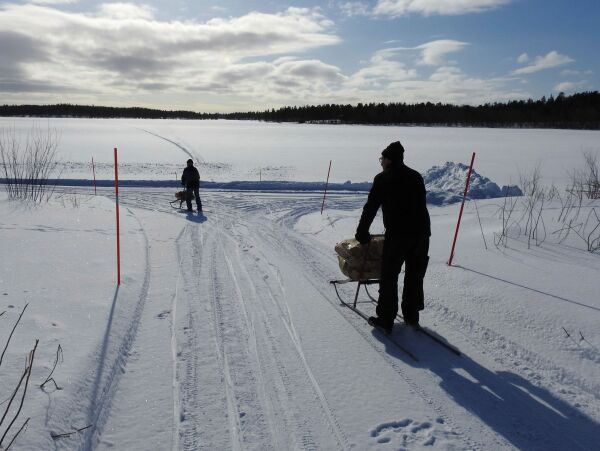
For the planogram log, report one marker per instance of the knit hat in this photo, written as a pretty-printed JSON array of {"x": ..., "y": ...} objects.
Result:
[{"x": 394, "y": 152}]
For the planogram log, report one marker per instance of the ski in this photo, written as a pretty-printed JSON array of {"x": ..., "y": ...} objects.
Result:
[
  {"x": 438, "y": 340},
  {"x": 387, "y": 335},
  {"x": 429, "y": 334},
  {"x": 434, "y": 337}
]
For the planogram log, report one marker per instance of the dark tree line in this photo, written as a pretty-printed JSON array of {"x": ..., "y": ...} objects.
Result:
[
  {"x": 103, "y": 112},
  {"x": 580, "y": 111}
]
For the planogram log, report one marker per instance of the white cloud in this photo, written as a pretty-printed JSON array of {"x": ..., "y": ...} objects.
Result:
[
  {"x": 433, "y": 52},
  {"x": 382, "y": 71},
  {"x": 569, "y": 86},
  {"x": 385, "y": 79},
  {"x": 54, "y": 2},
  {"x": 122, "y": 48},
  {"x": 429, "y": 54},
  {"x": 124, "y": 11},
  {"x": 354, "y": 8},
  {"x": 549, "y": 61},
  {"x": 397, "y": 8},
  {"x": 309, "y": 69},
  {"x": 569, "y": 72},
  {"x": 122, "y": 54},
  {"x": 523, "y": 58}
]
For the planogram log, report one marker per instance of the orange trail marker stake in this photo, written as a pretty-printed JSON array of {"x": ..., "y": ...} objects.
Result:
[
  {"x": 461, "y": 210},
  {"x": 118, "y": 231},
  {"x": 326, "y": 184}
]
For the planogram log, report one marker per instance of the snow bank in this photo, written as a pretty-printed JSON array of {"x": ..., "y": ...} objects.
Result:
[{"x": 445, "y": 185}]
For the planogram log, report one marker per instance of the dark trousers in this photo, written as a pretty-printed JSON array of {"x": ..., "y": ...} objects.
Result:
[
  {"x": 397, "y": 251},
  {"x": 188, "y": 198}
]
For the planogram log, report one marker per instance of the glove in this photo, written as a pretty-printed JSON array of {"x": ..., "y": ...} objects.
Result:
[{"x": 362, "y": 237}]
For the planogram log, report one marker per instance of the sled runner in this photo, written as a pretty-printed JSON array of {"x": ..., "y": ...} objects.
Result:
[
  {"x": 180, "y": 197},
  {"x": 362, "y": 266},
  {"x": 352, "y": 306},
  {"x": 363, "y": 314}
]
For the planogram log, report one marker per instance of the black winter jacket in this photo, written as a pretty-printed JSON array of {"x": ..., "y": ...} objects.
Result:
[
  {"x": 401, "y": 194},
  {"x": 190, "y": 177}
]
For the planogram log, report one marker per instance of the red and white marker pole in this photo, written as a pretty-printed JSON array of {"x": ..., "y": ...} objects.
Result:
[
  {"x": 118, "y": 229},
  {"x": 461, "y": 210},
  {"x": 326, "y": 184}
]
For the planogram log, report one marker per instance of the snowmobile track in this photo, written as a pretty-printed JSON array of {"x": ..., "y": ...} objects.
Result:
[
  {"x": 109, "y": 373},
  {"x": 261, "y": 293}
]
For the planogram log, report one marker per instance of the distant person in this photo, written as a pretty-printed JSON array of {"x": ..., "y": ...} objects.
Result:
[
  {"x": 400, "y": 192},
  {"x": 191, "y": 180}
]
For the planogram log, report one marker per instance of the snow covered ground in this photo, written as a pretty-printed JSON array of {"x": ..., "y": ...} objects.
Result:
[
  {"x": 250, "y": 151},
  {"x": 225, "y": 333}
]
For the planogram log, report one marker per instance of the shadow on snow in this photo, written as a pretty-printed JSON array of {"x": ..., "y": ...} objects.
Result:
[{"x": 526, "y": 415}]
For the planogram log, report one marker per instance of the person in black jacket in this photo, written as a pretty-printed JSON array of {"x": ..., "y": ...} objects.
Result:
[
  {"x": 191, "y": 180},
  {"x": 400, "y": 192}
]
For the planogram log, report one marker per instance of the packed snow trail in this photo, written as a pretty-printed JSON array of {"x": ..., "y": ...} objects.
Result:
[{"x": 259, "y": 354}]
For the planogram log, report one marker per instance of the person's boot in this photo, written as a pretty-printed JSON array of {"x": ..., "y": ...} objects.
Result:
[
  {"x": 379, "y": 323},
  {"x": 411, "y": 319}
]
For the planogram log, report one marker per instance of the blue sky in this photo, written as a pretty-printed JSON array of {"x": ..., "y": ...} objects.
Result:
[{"x": 234, "y": 55}]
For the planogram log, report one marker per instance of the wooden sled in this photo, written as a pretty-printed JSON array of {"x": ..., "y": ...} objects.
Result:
[
  {"x": 360, "y": 283},
  {"x": 361, "y": 313},
  {"x": 180, "y": 197}
]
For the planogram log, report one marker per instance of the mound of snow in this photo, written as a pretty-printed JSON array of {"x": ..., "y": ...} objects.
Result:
[{"x": 445, "y": 184}]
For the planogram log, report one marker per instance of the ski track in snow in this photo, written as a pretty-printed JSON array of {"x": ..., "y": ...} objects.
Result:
[
  {"x": 101, "y": 405},
  {"x": 487, "y": 341},
  {"x": 220, "y": 350},
  {"x": 95, "y": 392},
  {"x": 510, "y": 360},
  {"x": 281, "y": 238},
  {"x": 239, "y": 363},
  {"x": 306, "y": 258},
  {"x": 176, "y": 144}
]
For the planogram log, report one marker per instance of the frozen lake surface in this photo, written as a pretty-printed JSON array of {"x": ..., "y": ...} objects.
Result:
[
  {"x": 226, "y": 333},
  {"x": 246, "y": 150}
]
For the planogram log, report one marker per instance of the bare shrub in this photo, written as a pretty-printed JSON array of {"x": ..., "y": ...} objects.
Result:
[
  {"x": 588, "y": 230},
  {"x": 534, "y": 197},
  {"x": 26, "y": 164},
  {"x": 586, "y": 182},
  {"x": 578, "y": 213},
  {"x": 592, "y": 175},
  {"x": 580, "y": 195},
  {"x": 14, "y": 403},
  {"x": 69, "y": 200},
  {"x": 505, "y": 213}
]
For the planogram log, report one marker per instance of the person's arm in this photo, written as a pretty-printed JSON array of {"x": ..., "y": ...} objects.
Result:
[
  {"x": 183, "y": 178},
  {"x": 369, "y": 211}
]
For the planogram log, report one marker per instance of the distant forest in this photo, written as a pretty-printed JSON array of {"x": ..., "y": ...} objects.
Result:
[{"x": 578, "y": 111}]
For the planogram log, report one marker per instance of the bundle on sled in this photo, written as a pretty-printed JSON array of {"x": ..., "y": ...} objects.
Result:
[
  {"x": 180, "y": 197},
  {"x": 360, "y": 262}
]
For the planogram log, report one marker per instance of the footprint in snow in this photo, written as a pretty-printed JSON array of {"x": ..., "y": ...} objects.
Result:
[
  {"x": 163, "y": 314},
  {"x": 409, "y": 433}
]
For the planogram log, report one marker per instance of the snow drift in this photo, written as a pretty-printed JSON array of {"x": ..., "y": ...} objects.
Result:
[{"x": 445, "y": 185}]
